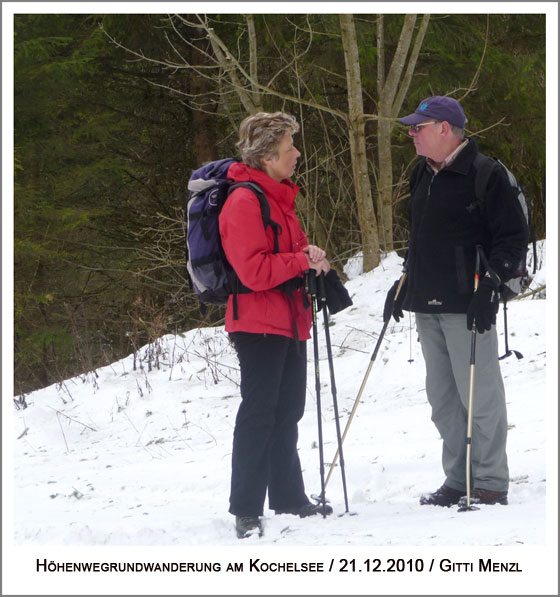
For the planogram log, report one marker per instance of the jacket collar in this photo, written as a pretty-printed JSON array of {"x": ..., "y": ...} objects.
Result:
[
  {"x": 449, "y": 159},
  {"x": 462, "y": 161},
  {"x": 283, "y": 192}
]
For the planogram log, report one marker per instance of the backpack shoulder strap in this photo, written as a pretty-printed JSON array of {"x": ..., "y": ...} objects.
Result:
[
  {"x": 484, "y": 166},
  {"x": 265, "y": 208},
  {"x": 263, "y": 201}
]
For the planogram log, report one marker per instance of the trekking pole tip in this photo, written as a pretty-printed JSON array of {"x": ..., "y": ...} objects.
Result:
[{"x": 466, "y": 508}]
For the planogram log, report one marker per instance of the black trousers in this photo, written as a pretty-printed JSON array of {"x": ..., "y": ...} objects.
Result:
[{"x": 273, "y": 384}]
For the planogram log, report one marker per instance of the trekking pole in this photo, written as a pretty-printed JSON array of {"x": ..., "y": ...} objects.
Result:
[
  {"x": 323, "y": 298},
  {"x": 362, "y": 387},
  {"x": 312, "y": 288},
  {"x": 467, "y": 506}
]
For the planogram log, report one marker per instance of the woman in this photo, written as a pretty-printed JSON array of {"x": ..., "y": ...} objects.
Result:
[{"x": 269, "y": 328}]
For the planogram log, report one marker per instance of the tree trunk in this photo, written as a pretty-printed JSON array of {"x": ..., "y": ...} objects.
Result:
[
  {"x": 385, "y": 180},
  {"x": 391, "y": 96},
  {"x": 253, "y": 63},
  {"x": 356, "y": 132}
]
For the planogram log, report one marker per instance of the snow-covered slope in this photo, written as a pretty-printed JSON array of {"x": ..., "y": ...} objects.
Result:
[{"x": 138, "y": 453}]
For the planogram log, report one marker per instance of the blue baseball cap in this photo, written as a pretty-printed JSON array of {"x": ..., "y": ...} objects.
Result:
[{"x": 438, "y": 107}]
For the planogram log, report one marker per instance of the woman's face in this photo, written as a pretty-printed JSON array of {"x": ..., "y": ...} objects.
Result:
[{"x": 283, "y": 165}]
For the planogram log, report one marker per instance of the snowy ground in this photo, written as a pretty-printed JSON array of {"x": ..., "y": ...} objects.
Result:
[{"x": 132, "y": 463}]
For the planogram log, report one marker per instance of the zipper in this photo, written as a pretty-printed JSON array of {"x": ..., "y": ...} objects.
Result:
[{"x": 418, "y": 230}]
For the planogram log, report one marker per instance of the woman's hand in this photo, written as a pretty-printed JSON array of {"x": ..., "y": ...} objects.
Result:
[
  {"x": 322, "y": 266},
  {"x": 314, "y": 253},
  {"x": 316, "y": 259}
]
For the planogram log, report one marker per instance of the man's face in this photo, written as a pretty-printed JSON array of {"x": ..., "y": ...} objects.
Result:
[
  {"x": 283, "y": 165},
  {"x": 426, "y": 137}
]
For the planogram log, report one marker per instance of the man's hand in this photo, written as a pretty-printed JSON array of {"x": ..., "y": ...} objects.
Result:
[
  {"x": 483, "y": 306},
  {"x": 393, "y": 306}
]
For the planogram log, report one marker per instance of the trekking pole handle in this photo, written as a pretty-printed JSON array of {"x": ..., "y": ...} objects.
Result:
[
  {"x": 482, "y": 261},
  {"x": 321, "y": 292},
  {"x": 477, "y": 267},
  {"x": 311, "y": 282}
]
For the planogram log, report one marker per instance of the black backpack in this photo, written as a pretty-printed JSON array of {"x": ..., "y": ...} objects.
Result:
[
  {"x": 209, "y": 271},
  {"x": 485, "y": 166},
  {"x": 518, "y": 283}
]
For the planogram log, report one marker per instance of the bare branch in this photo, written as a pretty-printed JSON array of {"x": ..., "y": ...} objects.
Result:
[
  {"x": 472, "y": 86},
  {"x": 60, "y": 413},
  {"x": 479, "y": 133}
]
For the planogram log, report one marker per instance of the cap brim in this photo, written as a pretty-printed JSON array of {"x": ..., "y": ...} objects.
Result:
[{"x": 413, "y": 119}]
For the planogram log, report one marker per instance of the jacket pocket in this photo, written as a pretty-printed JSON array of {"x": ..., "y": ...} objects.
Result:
[{"x": 463, "y": 286}]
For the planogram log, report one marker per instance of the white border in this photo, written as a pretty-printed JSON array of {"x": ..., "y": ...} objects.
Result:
[{"x": 540, "y": 564}]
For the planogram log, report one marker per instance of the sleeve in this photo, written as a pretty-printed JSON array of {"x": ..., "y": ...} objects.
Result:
[
  {"x": 249, "y": 249},
  {"x": 507, "y": 224},
  {"x": 415, "y": 178}
]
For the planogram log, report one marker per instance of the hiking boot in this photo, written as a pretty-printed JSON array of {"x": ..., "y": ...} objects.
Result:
[
  {"x": 247, "y": 526},
  {"x": 486, "y": 496},
  {"x": 307, "y": 510},
  {"x": 444, "y": 496}
]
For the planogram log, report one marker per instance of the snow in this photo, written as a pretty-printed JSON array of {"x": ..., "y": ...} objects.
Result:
[{"x": 131, "y": 463}]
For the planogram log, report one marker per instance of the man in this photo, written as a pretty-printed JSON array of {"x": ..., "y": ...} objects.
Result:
[
  {"x": 446, "y": 225},
  {"x": 269, "y": 327}
]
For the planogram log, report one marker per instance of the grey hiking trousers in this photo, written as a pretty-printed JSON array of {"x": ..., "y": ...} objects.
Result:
[{"x": 446, "y": 345}]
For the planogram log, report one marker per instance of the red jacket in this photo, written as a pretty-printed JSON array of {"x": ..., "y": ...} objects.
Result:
[{"x": 249, "y": 249}]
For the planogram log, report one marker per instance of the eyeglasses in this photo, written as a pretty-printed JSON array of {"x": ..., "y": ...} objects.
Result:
[{"x": 416, "y": 127}]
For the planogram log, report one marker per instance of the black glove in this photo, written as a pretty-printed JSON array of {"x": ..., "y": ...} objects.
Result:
[
  {"x": 483, "y": 306},
  {"x": 336, "y": 293},
  {"x": 393, "y": 306}
]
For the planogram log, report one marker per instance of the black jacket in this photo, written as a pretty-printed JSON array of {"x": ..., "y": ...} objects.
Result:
[{"x": 445, "y": 228}]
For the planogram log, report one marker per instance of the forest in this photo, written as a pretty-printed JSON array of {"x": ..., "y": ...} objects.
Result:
[{"x": 112, "y": 112}]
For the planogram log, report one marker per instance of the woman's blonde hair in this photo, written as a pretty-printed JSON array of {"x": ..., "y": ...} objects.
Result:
[{"x": 261, "y": 134}]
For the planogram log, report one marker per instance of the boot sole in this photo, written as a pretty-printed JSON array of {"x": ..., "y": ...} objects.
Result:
[{"x": 478, "y": 502}]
